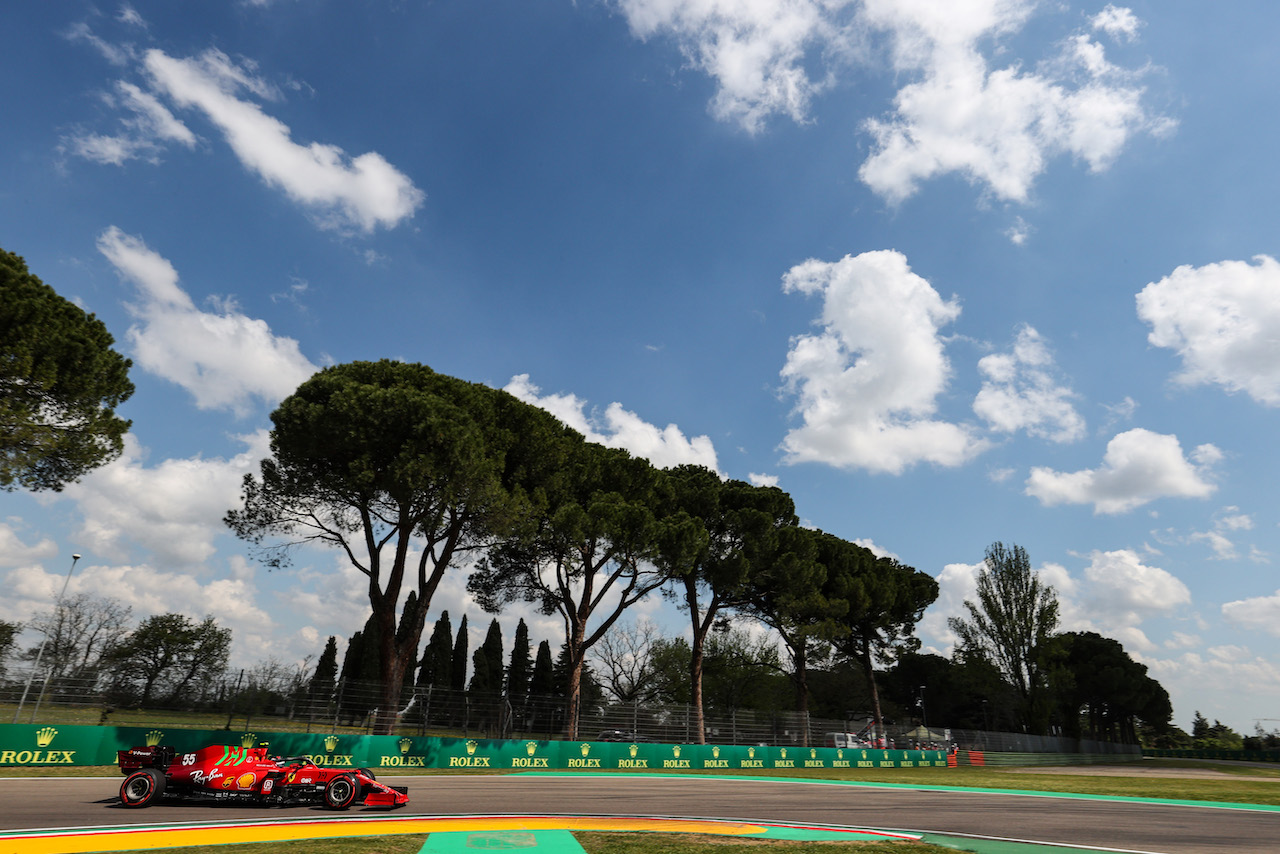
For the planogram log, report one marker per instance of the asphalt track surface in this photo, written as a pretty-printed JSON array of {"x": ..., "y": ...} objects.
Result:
[{"x": 29, "y": 803}]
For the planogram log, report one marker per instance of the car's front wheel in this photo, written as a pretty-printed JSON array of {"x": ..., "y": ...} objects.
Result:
[
  {"x": 142, "y": 788},
  {"x": 340, "y": 792}
]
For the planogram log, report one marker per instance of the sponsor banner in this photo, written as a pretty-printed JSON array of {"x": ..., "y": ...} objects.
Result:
[{"x": 33, "y": 745}]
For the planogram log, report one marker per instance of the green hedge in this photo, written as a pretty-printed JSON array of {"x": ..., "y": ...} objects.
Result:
[{"x": 31, "y": 745}]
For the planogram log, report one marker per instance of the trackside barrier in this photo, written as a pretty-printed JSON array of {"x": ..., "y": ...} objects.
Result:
[
  {"x": 988, "y": 758},
  {"x": 1237, "y": 755},
  {"x": 32, "y": 745}
]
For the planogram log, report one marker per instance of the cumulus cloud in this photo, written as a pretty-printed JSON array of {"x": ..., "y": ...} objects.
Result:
[
  {"x": 1118, "y": 22},
  {"x": 995, "y": 127},
  {"x": 867, "y": 384},
  {"x": 619, "y": 428},
  {"x": 1223, "y": 321},
  {"x": 14, "y": 552},
  {"x": 222, "y": 357},
  {"x": 757, "y": 52},
  {"x": 762, "y": 479},
  {"x": 1261, "y": 613},
  {"x": 1139, "y": 467},
  {"x": 1020, "y": 391},
  {"x": 174, "y": 509},
  {"x": 1124, "y": 591}
]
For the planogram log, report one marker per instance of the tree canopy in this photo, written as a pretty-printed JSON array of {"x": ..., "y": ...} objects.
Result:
[
  {"x": 403, "y": 470},
  {"x": 60, "y": 384},
  {"x": 586, "y": 556},
  {"x": 1011, "y": 623}
]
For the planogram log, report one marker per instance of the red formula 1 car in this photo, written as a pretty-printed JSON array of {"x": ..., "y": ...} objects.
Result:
[{"x": 245, "y": 775}]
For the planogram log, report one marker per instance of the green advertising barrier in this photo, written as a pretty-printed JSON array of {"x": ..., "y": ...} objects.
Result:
[{"x": 30, "y": 745}]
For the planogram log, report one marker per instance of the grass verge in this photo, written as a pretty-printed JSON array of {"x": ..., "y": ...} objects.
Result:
[{"x": 1240, "y": 784}]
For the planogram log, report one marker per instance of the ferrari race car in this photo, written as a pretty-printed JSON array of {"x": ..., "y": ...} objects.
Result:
[{"x": 245, "y": 775}]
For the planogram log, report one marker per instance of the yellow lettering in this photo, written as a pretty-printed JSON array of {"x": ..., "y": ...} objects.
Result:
[
  {"x": 7, "y": 757},
  {"x": 752, "y": 763}
]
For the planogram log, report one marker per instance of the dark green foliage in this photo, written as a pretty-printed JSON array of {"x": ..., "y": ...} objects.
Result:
[
  {"x": 719, "y": 537},
  {"x": 404, "y": 470},
  {"x": 437, "y": 661},
  {"x": 60, "y": 383},
  {"x": 486, "y": 664},
  {"x": 521, "y": 667},
  {"x": 586, "y": 553},
  {"x": 325, "y": 677},
  {"x": 1011, "y": 624},
  {"x": 1215, "y": 736},
  {"x": 1100, "y": 691},
  {"x": 458, "y": 660},
  {"x": 8, "y": 635},
  {"x": 170, "y": 659}
]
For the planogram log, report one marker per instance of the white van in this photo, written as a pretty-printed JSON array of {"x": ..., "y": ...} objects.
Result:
[{"x": 842, "y": 739}]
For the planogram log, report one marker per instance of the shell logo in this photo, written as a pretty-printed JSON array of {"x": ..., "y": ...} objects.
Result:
[{"x": 246, "y": 781}]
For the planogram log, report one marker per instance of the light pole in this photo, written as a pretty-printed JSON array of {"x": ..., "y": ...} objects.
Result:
[{"x": 40, "y": 654}]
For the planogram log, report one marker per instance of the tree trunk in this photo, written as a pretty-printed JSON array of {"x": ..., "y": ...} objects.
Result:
[{"x": 869, "y": 672}]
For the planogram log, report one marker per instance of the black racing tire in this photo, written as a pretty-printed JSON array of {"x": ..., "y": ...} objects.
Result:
[
  {"x": 368, "y": 772},
  {"x": 142, "y": 788},
  {"x": 340, "y": 792}
]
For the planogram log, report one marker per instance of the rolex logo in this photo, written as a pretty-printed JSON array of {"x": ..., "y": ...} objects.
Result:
[
  {"x": 633, "y": 750},
  {"x": 586, "y": 748},
  {"x": 751, "y": 753},
  {"x": 471, "y": 746},
  {"x": 864, "y": 754},
  {"x": 405, "y": 744},
  {"x": 813, "y": 753},
  {"x": 331, "y": 744},
  {"x": 531, "y": 747},
  {"x": 45, "y": 735},
  {"x": 782, "y": 752},
  {"x": 248, "y": 739},
  {"x": 715, "y": 752},
  {"x": 153, "y": 737},
  {"x": 840, "y": 754},
  {"x": 675, "y": 750}
]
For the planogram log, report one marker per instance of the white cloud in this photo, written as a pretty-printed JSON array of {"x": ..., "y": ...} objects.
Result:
[
  {"x": 1117, "y": 594},
  {"x": 1118, "y": 22},
  {"x": 1123, "y": 591},
  {"x": 363, "y": 192},
  {"x": 1223, "y": 320},
  {"x": 867, "y": 384},
  {"x": 1261, "y": 613},
  {"x": 762, "y": 479},
  {"x": 1139, "y": 467},
  {"x": 757, "y": 51},
  {"x": 1021, "y": 392},
  {"x": 620, "y": 428},
  {"x": 14, "y": 552},
  {"x": 956, "y": 583},
  {"x": 223, "y": 358},
  {"x": 879, "y": 551},
  {"x": 173, "y": 509},
  {"x": 997, "y": 128},
  {"x": 115, "y": 54},
  {"x": 144, "y": 132}
]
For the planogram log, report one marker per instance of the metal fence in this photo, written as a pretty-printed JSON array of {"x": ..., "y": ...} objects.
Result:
[{"x": 432, "y": 710}]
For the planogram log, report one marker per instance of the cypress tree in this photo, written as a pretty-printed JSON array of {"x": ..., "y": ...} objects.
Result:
[
  {"x": 519, "y": 671},
  {"x": 458, "y": 674},
  {"x": 437, "y": 661}
]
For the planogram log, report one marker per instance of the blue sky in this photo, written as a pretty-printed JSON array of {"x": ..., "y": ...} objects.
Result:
[{"x": 948, "y": 273}]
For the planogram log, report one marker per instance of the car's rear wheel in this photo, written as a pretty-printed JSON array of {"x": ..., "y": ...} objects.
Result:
[
  {"x": 340, "y": 792},
  {"x": 142, "y": 788}
]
